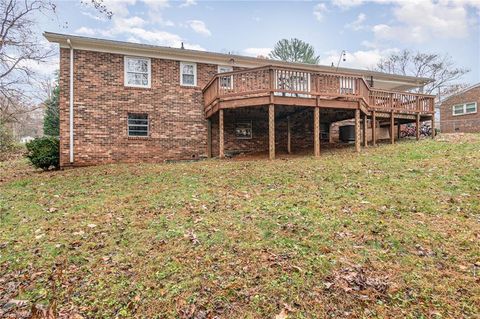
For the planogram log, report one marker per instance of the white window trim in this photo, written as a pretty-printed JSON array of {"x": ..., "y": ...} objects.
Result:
[
  {"x": 194, "y": 73},
  {"x": 149, "y": 63},
  {"x": 231, "y": 77},
  {"x": 147, "y": 125},
  {"x": 343, "y": 86},
  {"x": 224, "y": 66},
  {"x": 464, "y": 109},
  {"x": 455, "y": 106}
]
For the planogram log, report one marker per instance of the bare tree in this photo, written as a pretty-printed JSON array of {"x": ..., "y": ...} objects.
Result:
[
  {"x": 100, "y": 6},
  {"x": 19, "y": 48},
  {"x": 441, "y": 69}
]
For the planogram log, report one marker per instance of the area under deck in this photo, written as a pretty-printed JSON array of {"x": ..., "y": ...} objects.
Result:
[{"x": 330, "y": 97}]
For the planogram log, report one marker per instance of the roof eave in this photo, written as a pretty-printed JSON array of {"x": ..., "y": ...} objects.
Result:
[{"x": 218, "y": 58}]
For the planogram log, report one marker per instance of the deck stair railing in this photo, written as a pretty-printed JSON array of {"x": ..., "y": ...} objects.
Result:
[{"x": 283, "y": 81}]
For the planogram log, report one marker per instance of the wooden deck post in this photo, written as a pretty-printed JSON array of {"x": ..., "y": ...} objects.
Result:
[
  {"x": 417, "y": 129},
  {"x": 209, "y": 138},
  {"x": 392, "y": 128},
  {"x": 357, "y": 130},
  {"x": 289, "y": 137},
  {"x": 433, "y": 125},
  {"x": 374, "y": 129},
  {"x": 271, "y": 131},
  {"x": 221, "y": 145},
  {"x": 365, "y": 137},
  {"x": 316, "y": 131}
]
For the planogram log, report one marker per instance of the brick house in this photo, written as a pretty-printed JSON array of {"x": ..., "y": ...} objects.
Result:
[
  {"x": 128, "y": 102},
  {"x": 459, "y": 112}
]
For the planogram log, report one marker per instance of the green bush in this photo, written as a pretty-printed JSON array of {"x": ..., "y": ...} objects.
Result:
[
  {"x": 44, "y": 152},
  {"x": 51, "y": 120}
]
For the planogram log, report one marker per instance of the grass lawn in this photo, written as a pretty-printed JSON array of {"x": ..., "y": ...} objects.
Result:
[{"x": 391, "y": 232}]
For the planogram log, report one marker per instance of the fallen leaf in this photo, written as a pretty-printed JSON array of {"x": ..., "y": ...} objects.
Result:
[
  {"x": 282, "y": 315},
  {"x": 192, "y": 237}
]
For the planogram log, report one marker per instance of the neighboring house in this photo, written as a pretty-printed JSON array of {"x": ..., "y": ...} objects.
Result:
[
  {"x": 28, "y": 124},
  {"x": 459, "y": 112},
  {"x": 127, "y": 102},
  {"x": 26, "y": 139}
]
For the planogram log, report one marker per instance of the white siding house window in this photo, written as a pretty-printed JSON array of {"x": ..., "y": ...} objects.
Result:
[
  {"x": 188, "y": 74},
  {"x": 467, "y": 108},
  {"x": 226, "y": 81},
  {"x": 137, "y": 125},
  {"x": 137, "y": 72}
]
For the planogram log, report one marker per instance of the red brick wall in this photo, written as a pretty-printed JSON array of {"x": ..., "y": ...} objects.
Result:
[
  {"x": 177, "y": 128},
  {"x": 301, "y": 130},
  {"x": 102, "y": 102},
  {"x": 177, "y": 124},
  {"x": 469, "y": 123}
]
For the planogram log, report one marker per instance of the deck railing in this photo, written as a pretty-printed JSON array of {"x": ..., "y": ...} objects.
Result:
[
  {"x": 402, "y": 101},
  {"x": 282, "y": 81}
]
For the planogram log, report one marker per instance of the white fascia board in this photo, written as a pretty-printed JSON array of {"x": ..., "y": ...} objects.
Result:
[{"x": 151, "y": 51}]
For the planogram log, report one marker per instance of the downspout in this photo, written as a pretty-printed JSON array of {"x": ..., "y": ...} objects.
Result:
[{"x": 71, "y": 100}]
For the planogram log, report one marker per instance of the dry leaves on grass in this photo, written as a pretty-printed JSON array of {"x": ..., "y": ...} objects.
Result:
[
  {"x": 192, "y": 237},
  {"x": 282, "y": 315},
  {"x": 457, "y": 137},
  {"x": 358, "y": 279},
  {"x": 285, "y": 311}
]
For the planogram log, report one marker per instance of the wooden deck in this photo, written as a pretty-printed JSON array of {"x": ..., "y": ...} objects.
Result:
[
  {"x": 271, "y": 86},
  {"x": 297, "y": 87}
]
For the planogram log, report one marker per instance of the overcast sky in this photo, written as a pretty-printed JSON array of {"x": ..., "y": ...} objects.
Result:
[{"x": 367, "y": 30}]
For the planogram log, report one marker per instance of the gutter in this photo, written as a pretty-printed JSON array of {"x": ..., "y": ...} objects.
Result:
[{"x": 71, "y": 100}]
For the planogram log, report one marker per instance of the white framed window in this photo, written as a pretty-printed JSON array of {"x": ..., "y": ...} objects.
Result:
[
  {"x": 347, "y": 85},
  {"x": 138, "y": 125},
  {"x": 458, "y": 109},
  {"x": 243, "y": 130},
  {"x": 471, "y": 108},
  {"x": 226, "y": 82},
  {"x": 292, "y": 81},
  {"x": 467, "y": 108},
  {"x": 137, "y": 72},
  {"x": 188, "y": 74}
]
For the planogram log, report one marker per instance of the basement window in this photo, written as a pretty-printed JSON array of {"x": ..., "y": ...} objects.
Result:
[
  {"x": 467, "y": 108},
  {"x": 137, "y": 72},
  {"x": 137, "y": 125},
  {"x": 243, "y": 130},
  {"x": 188, "y": 74}
]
